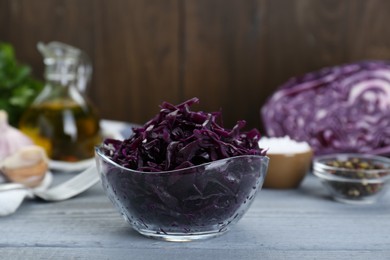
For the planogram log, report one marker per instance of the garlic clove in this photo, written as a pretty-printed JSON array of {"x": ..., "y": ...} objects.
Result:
[
  {"x": 11, "y": 139},
  {"x": 27, "y": 166}
]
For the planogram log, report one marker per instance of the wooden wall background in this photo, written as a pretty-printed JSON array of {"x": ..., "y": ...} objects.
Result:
[{"x": 232, "y": 54}]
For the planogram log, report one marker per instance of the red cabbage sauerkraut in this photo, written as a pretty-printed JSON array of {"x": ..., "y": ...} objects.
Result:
[{"x": 177, "y": 138}]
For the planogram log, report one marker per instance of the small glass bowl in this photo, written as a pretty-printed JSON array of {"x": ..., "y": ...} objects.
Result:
[
  {"x": 364, "y": 182},
  {"x": 193, "y": 203}
]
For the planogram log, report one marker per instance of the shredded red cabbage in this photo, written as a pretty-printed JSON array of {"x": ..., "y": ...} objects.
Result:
[
  {"x": 338, "y": 109},
  {"x": 177, "y": 138}
]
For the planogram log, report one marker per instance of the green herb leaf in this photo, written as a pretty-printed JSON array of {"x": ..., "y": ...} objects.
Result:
[{"x": 17, "y": 86}]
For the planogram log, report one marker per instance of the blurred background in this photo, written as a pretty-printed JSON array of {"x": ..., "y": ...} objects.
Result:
[{"x": 232, "y": 54}]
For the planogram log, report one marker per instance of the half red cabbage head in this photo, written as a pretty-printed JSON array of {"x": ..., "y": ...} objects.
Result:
[
  {"x": 337, "y": 109},
  {"x": 177, "y": 138}
]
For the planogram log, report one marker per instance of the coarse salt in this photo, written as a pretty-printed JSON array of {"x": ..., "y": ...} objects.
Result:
[{"x": 283, "y": 145}]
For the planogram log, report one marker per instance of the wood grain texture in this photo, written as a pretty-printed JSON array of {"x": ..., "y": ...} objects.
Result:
[
  {"x": 368, "y": 30},
  {"x": 46, "y": 20},
  {"x": 231, "y": 54},
  {"x": 281, "y": 224},
  {"x": 4, "y": 18},
  {"x": 223, "y": 57},
  {"x": 137, "y": 57}
]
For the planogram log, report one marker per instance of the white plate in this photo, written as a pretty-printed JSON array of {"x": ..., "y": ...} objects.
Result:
[
  {"x": 70, "y": 166},
  {"x": 115, "y": 129}
]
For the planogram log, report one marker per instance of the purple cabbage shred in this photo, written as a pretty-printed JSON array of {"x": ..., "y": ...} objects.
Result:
[{"x": 178, "y": 138}]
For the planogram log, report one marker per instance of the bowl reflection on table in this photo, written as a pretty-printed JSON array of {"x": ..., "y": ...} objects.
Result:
[
  {"x": 188, "y": 204},
  {"x": 353, "y": 185}
]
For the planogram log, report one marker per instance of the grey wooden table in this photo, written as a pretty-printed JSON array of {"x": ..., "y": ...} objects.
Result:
[{"x": 287, "y": 224}]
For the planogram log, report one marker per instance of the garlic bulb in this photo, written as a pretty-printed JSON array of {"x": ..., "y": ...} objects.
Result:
[
  {"x": 27, "y": 166},
  {"x": 11, "y": 139}
]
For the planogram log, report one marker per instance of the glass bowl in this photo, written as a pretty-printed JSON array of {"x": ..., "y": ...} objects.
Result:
[
  {"x": 193, "y": 203},
  {"x": 353, "y": 178}
]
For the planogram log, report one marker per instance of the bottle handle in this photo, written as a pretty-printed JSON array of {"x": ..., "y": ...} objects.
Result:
[{"x": 84, "y": 72}]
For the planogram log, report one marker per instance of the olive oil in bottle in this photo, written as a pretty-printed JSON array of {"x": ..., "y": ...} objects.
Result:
[
  {"x": 67, "y": 132},
  {"x": 61, "y": 119}
]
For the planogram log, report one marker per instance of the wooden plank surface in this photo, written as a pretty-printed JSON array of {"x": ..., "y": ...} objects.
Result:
[
  {"x": 281, "y": 224},
  {"x": 223, "y": 57},
  {"x": 232, "y": 54},
  {"x": 137, "y": 63},
  {"x": 133, "y": 46},
  {"x": 368, "y": 29}
]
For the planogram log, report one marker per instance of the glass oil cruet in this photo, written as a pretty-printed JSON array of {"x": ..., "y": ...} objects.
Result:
[{"x": 61, "y": 119}]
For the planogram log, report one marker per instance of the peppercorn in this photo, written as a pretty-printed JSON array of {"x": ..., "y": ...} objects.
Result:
[{"x": 356, "y": 168}]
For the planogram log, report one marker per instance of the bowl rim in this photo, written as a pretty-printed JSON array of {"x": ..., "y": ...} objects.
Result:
[
  {"x": 308, "y": 152},
  {"x": 320, "y": 169},
  {"x": 99, "y": 153}
]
